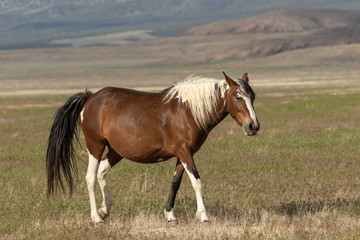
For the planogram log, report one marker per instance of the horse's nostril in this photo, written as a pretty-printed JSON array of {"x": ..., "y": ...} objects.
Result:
[{"x": 252, "y": 126}]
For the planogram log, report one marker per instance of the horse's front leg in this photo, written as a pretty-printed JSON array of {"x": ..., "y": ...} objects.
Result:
[
  {"x": 169, "y": 210},
  {"x": 189, "y": 165}
]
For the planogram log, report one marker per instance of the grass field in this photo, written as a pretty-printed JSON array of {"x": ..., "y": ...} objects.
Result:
[{"x": 297, "y": 179}]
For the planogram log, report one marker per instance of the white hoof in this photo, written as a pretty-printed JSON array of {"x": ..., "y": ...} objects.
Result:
[
  {"x": 202, "y": 217},
  {"x": 170, "y": 216},
  {"x": 97, "y": 219}
]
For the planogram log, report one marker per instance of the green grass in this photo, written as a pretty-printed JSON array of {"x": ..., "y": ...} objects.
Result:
[{"x": 298, "y": 179}]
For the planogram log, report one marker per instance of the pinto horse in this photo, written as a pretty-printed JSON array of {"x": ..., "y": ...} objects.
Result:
[{"x": 145, "y": 128}]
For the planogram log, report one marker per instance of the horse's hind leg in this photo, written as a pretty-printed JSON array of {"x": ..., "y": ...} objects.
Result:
[
  {"x": 94, "y": 157},
  {"x": 111, "y": 159}
]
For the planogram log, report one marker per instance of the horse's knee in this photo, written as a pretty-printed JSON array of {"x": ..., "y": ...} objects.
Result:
[
  {"x": 90, "y": 179},
  {"x": 197, "y": 185},
  {"x": 100, "y": 177}
]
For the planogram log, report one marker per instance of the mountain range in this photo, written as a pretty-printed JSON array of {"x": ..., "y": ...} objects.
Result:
[
  {"x": 288, "y": 29},
  {"x": 47, "y": 23}
]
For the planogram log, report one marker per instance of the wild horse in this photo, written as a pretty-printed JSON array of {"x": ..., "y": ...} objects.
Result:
[{"x": 146, "y": 128}]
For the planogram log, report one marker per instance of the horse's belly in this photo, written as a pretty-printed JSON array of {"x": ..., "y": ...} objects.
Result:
[
  {"x": 149, "y": 159},
  {"x": 141, "y": 149},
  {"x": 144, "y": 155}
]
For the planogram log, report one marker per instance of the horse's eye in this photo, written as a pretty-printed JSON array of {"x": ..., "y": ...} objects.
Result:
[{"x": 238, "y": 98}]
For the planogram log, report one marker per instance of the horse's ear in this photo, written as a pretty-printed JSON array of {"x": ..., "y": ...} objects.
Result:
[
  {"x": 229, "y": 81},
  {"x": 245, "y": 77}
]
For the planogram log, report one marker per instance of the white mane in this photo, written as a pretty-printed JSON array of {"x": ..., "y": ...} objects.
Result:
[{"x": 201, "y": 95}]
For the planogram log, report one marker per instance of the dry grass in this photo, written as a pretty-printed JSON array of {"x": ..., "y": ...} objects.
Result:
[
  {"x": 298, "y": 179},
  {"x": 264, "y": 225}
]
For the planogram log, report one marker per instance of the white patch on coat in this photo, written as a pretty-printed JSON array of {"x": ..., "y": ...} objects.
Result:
[
  {"x": 249, "y": 106},
  {"x": 251, "y": 109},
  {"x": 82, "y": 115}
]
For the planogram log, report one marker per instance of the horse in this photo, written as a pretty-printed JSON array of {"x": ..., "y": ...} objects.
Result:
[{"x": 144, "y": 127}]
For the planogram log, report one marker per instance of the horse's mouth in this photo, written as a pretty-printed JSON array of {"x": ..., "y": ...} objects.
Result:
[{"x": 248, "y": 132}]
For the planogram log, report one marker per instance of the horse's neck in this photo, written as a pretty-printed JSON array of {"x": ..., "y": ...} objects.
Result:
[{"x": 220, "y": 113}]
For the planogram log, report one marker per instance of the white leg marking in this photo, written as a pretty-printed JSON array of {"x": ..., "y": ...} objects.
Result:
[
  {"x": 197, "y": 185},
  {"x": 104, "y": 167},
  {"x": 91, "y": 181},
  {"x": 170, "y": 215}
]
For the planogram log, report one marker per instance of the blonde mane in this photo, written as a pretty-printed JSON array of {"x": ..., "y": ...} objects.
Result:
[{"x": 201, "y": 96}]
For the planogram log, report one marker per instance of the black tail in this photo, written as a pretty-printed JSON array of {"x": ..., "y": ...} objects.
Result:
[{"x": 60, "y": 156}]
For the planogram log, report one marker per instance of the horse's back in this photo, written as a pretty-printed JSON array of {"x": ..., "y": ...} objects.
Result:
[
  {"x": 133, "y": 122},
  {"x": 112, "y": 101}
]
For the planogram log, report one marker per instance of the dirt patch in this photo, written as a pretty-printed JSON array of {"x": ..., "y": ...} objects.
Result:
[
  {"x": 28, "y": 106},
  {"x": 37, "y": 92}
]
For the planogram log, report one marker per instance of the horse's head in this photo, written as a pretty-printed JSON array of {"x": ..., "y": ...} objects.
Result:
[{"x": 239, "y": 103}]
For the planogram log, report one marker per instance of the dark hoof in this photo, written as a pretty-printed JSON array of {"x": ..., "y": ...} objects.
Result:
[
  {"x": 173, "y": 221},
  {"x": 206, "y": 221},
  {"x": 102, "y": 214}
]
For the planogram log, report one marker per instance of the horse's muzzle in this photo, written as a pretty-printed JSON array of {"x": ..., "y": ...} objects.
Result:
[{"x": 251, "y": 129}]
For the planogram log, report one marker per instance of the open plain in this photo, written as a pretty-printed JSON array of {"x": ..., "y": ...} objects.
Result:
[{"x": 299, "y": 178}]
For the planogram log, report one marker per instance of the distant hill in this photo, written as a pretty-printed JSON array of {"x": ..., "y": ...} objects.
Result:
[
  {"x": 316, "y": 43},
  {"x": 289, "y": 20},
  {"x": 288, "y": 30},
  {"x": 49, "y": 23}
]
